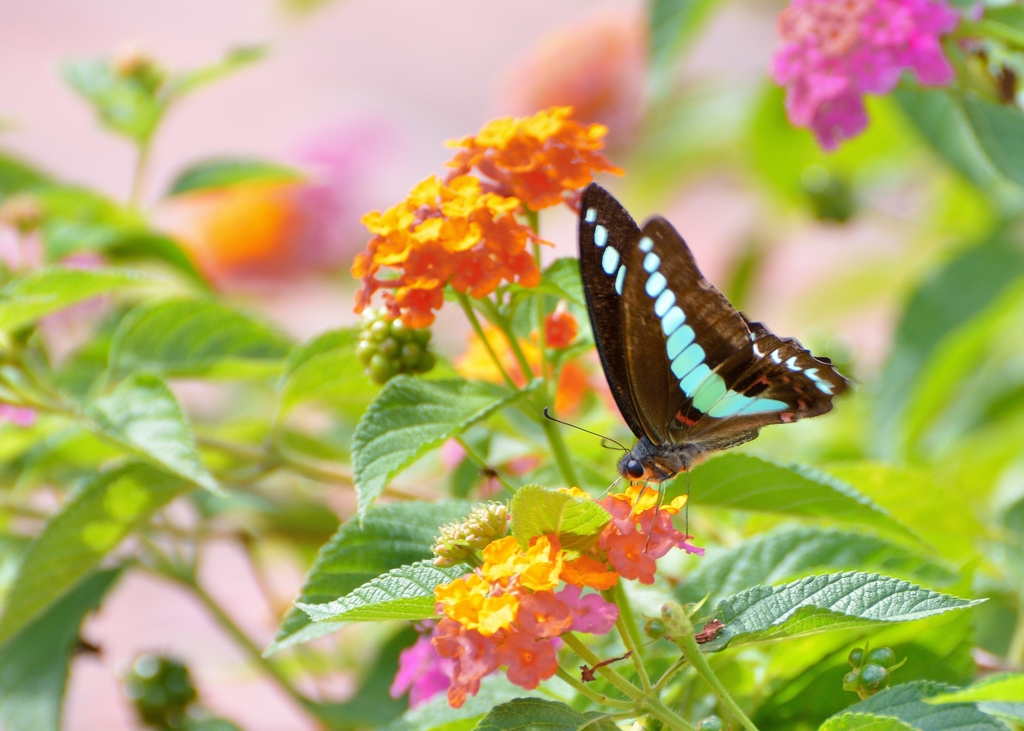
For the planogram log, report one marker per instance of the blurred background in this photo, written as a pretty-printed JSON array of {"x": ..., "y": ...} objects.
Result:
[{"x": 359, "y": 96}]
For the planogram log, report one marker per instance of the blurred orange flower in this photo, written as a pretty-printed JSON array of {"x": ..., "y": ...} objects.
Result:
[
  {"x": 560, "y": 328},
  {"x": 597, "y": 66},
  {"x": 476, "y": 363},
  {"x": 542, "y": 160},
  {"x": 444, "y": 233}
]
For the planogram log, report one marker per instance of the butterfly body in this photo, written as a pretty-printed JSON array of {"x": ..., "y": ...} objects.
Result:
[{"x": 690, "y": 374}]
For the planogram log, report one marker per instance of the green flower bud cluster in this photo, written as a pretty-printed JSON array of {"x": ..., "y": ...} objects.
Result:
[
  {"x": 161, "y": 690},
  {"x": 389, "y": 347},
  {"x": 459, "y": 542},
  {"x": 871, "y": 670}
]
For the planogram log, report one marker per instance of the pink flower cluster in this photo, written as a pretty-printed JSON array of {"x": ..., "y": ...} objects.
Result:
[{"x": 835, "y": 51}]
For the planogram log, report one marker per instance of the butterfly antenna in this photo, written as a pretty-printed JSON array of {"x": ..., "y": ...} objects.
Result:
[{"x": 603, "y": 437}]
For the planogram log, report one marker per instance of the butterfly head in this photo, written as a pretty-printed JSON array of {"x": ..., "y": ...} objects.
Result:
[{"x": 647, "y": 461}]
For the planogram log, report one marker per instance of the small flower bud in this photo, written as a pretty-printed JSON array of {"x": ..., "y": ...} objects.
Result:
[
  {"x": 22, "y": 212},
  {"x": 655, "y": 629},
  {"x": 132, "y": 61},
  {"x": 161, "y": 690},
  {"x": 388, "y": 347},
  {"x": 459, "y": 542},
  {"x": 856, "y": 656},
  {"x": 873, "y": 678},
  {"x": 711, "y": 723},
  {"x": 883, "y": 656}
]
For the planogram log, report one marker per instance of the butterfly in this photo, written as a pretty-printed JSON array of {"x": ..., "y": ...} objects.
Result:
[{"x": 689, "y": 372}]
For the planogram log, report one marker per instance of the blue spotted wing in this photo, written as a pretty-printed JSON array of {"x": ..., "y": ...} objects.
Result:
[{"x": 694, "y": 368}]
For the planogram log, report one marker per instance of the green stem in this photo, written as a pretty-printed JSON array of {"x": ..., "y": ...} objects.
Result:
[
  {"x": 669, "y": 674},
  {"x": 611, "y": 675},
  {"x": 1015, "y": 654},
  {"x": 591, "y": 694},
  {"x": 482, "y": 464},
  {"x": 680, "y": 629},
  {"x": 671, "y": 719},
  {"x": 139, "y": 175},
  {"x": 467, "y": 307},
  {"x": 242, "y": 639},
  {"x": 626, "y": 625}
]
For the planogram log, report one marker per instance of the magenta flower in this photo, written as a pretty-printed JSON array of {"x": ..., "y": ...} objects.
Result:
[
  {"x": 17, "y": 415},
  {"x": 590, "y": 613},
  {"x": 421, "y": 672},
  {"x": 835, "y": 51}
]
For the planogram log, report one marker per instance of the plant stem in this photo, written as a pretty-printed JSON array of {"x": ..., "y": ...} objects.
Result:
[
  {"x": 609, "y": 673},
  {"x": 626, "y": 625},
  {"x": 668, "y": 717},
  {"x": 242, "y": 639},
  {"x": 591, "y": 694},
  {"x": 1015, "y": 653},
  {"x": 482, "y": 464},
  {"x": 680, "y": 629},
  {"x": 669, "y": 674},
  {"x": 467, "y": 307},
  {"x": 139, "y": 175}
]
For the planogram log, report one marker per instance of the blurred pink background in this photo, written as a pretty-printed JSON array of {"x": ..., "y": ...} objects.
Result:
[{"x": 422, "y": 73}]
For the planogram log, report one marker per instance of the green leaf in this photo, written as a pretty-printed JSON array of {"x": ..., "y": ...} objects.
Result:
[
  {"x": 91, "y": 523},
  {"x": 39, "y": 293},
  {"x": 533, "y": 714},
  {"x": 326, "y": 368},
  {"x": 387, "y": 537},
  {"x": 793, "y": 551},
  {"x": 864, "y": 722},
  {"x": 978, "y": 275},
  {"x": 34, "y": 662},
  {"x": 537, "y": 511},
  {"x": 942, "y": 120},
  {"x": 1004, "y": 687},
  {"x": 227, "y": 171},
  {"x": 562, "y": 279},
  {"x": 672, "y": 25},
  {"x": 409, "y": 418},
  {"x": 1000, "y": 130},
  {"x": 143, "y": 415},
  {"x": 403, "y": 593},
  {"x": 235, "y": 60},
  {"x": 16, "y": 175},
  {"x": 437, "y": 715},
  {"x": 742, "y": 482},
  {"x": 192, "y": 338},
  {"x": 124, "y": 104},
  {"x": 907, "y": 703},
  {"x": 826, "y": 602}
]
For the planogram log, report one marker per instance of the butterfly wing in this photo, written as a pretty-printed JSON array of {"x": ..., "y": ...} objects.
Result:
[{"x": 606, "y": 234}]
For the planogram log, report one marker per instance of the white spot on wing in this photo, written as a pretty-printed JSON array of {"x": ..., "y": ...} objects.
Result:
[
  {"x": 610, "y": 260},
  {"x": 591, "y": 215}
]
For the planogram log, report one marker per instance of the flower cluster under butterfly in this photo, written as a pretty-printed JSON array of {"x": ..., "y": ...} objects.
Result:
[{"x": 690, "y": 374}]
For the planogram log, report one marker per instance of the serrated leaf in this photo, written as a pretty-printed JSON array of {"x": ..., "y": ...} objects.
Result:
[
  {"x": 326, "y": 368},
  {"x": 864, "y": 722},
  {"x": 143, "y": 415},
  {"x": 186, "y": 338},
  {"x": 742, "y": 482},
  {"x": 37, "y": 294},
  {"x": 388, "y": 537},
  {"x": 907, "y": 703},
  {"x": 436, "y": 714},
  {"x": 91, "y": 523},
  {"x": 226, "y": 171},
  {"x": 409, "y": 418},
  {"x": 562, "y": 278},
  {"x": 792, "y": 551},
  {"x": 34, "y": 662},
  {"x": 532, "y": 714},
  {"x": 537, "y": 511},
  {"x": 827, "y": 602},
  {"x": 403, "y": 593},
  {"x": 1004, "y": 687}
]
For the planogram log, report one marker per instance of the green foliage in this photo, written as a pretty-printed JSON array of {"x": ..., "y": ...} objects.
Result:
[
  {"x": 142, "y": 415},
  {"x": 190, "y": 338},
  {"x": 409, "y": 418},
  {"x": 908, "y": 703},
  {"x": 671, "y": 26},
  {"x": 403, "y": 593},
  {"x": 826, "y": 602},
  {"x": 387, "y": 537},
  {"x": 34, "y": 659},
  {"x": 228, "y": 171},
  {"x": 1002, "y": 687},
  {"x": 742, "y": 482},
  {"x": 93, "y": 521},
  {"x": 537, "y": 512},
  {"x": 524, "y": 713},
  {"x": 33, "y": 296}
]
